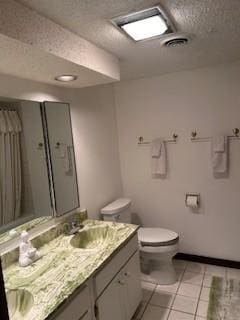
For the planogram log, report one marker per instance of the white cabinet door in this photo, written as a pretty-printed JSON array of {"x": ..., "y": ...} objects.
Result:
[
  {"x": 133, "y": 293},
  {"x": 111, "y": 304},
  {"x": 121, "y": 298}
]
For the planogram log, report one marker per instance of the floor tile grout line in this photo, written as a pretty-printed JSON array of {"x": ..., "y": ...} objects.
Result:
[
  {"x": 185, "y": 312},
  {"x": 200, "y": 292},
  {"x": 174, "y": 294},
  {"x": 198, "y": 299},
  {"x": 180, "y": 281},
  {"x": 143, "y": 312},
  {"x": 193, "y": 314},
  {"x": 172, "y": 305},
  {"x": 148, "y": 301}
]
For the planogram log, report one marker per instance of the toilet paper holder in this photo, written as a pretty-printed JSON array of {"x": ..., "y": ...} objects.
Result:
[{"x": 197, "y": 195}]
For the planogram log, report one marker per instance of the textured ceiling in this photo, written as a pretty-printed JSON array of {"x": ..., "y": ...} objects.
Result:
[
  {"x": 213, "y": 24},
  {"x": 29, "y": 62}
]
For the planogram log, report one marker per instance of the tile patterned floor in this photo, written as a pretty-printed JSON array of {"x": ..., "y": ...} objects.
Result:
[{"x": 185, "y": 300}]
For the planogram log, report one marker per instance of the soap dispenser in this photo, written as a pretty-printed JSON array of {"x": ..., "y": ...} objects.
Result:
[{"x": 27, "y": 253}]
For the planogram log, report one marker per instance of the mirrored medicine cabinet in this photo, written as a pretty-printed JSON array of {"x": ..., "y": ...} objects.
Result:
[{"x": 38, "y": 177}]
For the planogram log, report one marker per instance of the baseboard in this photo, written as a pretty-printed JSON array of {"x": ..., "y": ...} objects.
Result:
[{"x": 209, "y": 260}]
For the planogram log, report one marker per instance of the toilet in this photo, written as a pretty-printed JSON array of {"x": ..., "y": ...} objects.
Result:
[{"x": 157, "y": 246}]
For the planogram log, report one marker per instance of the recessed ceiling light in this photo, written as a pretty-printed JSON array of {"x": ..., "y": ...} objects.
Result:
[
  {"x": 145, "y": 24},
  {"x": 66, "y": 78}
]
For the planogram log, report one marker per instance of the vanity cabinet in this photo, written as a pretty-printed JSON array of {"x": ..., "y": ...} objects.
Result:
[
  {"x": 121, "y": 298},
  {"x": 132, "y": 285},
  {"x": 78, "y": 307},
  {"x": 122, "y": 293},
  {"x": 111, "y": 304},
  {"x": 114, "y": 293}
]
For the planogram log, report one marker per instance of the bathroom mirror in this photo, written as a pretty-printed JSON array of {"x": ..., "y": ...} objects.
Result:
[
  {"x": 24, "y": 183},
  {"x": 37, "y": 165},
  {"x": 62, "y": 156}
]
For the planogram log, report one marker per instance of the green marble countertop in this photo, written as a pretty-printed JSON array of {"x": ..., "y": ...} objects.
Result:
[{"x": 63, "y": 268}]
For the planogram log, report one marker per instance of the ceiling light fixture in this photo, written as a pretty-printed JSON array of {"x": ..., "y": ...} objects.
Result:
[
  {"x": 146, "y": 24},
  {"x": 66, "y": 78}
]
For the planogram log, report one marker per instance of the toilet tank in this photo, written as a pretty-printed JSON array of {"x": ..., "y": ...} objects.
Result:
[{"x": 118, "y": 210}]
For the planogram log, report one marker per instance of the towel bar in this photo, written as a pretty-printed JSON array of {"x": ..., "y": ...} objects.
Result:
[
  {"x": 173, "y": 140},
  {"x": 194, "y": 137}
]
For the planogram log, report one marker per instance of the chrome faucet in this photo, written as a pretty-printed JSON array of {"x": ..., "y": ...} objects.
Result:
[{"x": 72, "y": 227}]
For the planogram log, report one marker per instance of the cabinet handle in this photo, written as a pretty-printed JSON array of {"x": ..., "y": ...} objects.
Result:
[
  {"x": 127, "y": 274},
  {"x": 121, "y": 282}
]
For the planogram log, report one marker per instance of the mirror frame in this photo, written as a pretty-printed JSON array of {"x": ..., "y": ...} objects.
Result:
[
  {"x": 52, "y": 216},
  {"x": 49, "y": 159},
  {"x": 49, "y": 168}
]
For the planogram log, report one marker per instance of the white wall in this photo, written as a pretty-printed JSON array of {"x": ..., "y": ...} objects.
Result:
[
  {"x": 207, "y": 100},
  {"x": 96, "y": 147},
  {"x": 94, "y": 131}
]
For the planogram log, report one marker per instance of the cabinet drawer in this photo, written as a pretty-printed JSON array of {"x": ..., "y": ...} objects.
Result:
[
  {"x": 76, "y": 308},
  {"x": 104, "y": 276}
]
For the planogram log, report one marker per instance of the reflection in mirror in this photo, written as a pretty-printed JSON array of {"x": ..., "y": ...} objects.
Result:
[
  {"x": 24, "y": 186},
  {"x": 62, "y": 157},
  {"x": 27, "y": 226}
]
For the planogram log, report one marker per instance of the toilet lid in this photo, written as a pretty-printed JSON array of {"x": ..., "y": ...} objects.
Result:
[{"x": 156, "y": 237}]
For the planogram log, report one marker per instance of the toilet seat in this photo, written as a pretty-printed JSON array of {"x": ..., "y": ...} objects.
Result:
[{"x": 157, "y": 237}]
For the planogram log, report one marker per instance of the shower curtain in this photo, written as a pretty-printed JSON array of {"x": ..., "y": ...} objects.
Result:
[{"x": 10, "y": 166}]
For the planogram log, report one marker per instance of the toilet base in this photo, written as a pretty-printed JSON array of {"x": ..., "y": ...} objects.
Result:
[
  {"x": 164, "y": 274},
  {"x": 158, "y": 267},
  {"x": 160, "y": 275}
]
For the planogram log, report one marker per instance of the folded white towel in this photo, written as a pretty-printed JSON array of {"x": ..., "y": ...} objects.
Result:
[
  {"x": 65, "y": 155},
  {"x": 156, "y": 146},
  {"x": 218, "y": 143},
  {"x": 158, "y": 157},
  {"x": 219, "y": 154}
]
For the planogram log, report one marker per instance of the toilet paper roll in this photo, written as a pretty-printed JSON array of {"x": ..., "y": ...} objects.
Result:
[{"x": 192, "y": 201}]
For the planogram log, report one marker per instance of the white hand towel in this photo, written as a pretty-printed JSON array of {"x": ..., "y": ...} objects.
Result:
[
  {"x": 64, "y": 155},
  {"x": 156, "y": 148},
  {"x": 218, "y": 143},
  {"x": 219, "y": 154},
  {"x": 158, "y": 157}
]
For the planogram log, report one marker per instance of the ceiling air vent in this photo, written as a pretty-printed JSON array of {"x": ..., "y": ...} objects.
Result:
[{"x": 176, "y": 42}]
